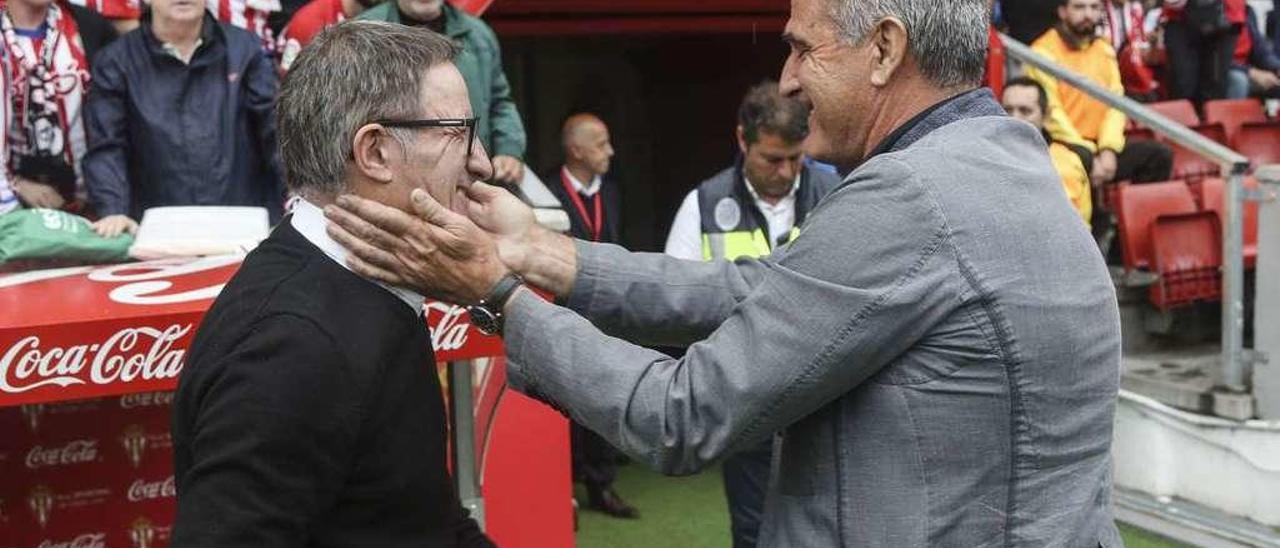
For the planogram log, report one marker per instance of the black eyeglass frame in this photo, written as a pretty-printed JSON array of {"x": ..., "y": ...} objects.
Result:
[{"x": 469, "y": 123}]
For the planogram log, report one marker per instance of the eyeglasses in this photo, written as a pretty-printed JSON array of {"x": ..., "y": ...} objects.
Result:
[{"x": 469, "y": 123}]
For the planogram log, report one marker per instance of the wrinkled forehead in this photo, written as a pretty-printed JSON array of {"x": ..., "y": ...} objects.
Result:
[
  {"x": 810, "y": 22},
  {"x": 444, "y": 93}
]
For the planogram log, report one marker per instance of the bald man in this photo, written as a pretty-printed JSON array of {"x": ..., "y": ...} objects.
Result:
[
  {"x": 595, "y": 212},
  {"x": 592, "y": 203}
]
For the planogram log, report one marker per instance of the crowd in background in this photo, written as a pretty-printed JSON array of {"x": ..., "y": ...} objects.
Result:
[
  {"x": 112, "y": 107},
  {"x": 177, "y": 110}
]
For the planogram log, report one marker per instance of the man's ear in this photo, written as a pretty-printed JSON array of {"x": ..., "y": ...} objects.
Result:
[
  {"x": 742, "y": 139},
  {"x": 374, "y": 151},
  {"x": 889, "y": 47}
]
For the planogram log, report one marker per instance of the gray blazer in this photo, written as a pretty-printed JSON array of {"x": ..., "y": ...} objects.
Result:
[{"x": 940, "y": 348}]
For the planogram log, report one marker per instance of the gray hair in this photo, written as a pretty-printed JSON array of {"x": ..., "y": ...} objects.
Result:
[
  {"x": 947, "y": 39},
  {"x": 352, "y": 74}
]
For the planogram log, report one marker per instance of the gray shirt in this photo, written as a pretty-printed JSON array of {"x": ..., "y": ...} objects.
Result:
[{"x": 940, "y": 347}]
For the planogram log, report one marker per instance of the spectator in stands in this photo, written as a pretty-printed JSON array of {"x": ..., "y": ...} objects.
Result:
[
  {"x": 1026, "y": 100},
  {"x": 314, "y": 17},
  {"x": 1075, "y": 118},
  {"x": 1255, "y": 70},
  {"x": 1124, "y": 26},
  {"x": 8, "y": 200},
  {"x": 747, "y": 210},
  {"x": 1201, "y": 41},
  {"x": 480, "y": 61},
  {"x": 48, "y": 46},
  {"x": 122, "y": 14},
  {"x": 181, "y": 114},
  {"x": 250, "y": 15}
]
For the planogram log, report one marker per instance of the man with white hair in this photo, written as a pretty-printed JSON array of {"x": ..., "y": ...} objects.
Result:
[{"x": 941, "y": 375}]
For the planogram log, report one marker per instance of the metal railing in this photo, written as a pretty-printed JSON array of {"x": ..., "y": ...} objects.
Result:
[{"x": 1235, "y": 359}]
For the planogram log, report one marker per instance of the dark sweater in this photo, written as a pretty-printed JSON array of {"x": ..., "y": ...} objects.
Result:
[{"x": 310, "y": 414}]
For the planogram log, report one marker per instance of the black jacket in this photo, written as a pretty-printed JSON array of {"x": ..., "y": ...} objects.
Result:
[
  {"x": 95, "y": 31},
  {"x": 610, "y": 199},
  {"x": 162, "y": 133},
  {"x": 310, "y": 414}
]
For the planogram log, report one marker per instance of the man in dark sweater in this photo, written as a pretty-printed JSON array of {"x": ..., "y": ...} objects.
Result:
[{"x": 310, "y": 412}]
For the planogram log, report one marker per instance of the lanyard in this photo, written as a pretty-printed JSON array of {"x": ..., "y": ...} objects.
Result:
[{"x": 593, "y": 228}]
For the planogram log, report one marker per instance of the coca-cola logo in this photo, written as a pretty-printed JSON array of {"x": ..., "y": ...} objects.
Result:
[
  {"x": 75, "y": 452},
  {"x": 132, "y": 353},
  {"x": 450, "y": 331},
  {"x": 87, "y": 540},
  {"x": 159, "y": 282},
  {"x": 142, "y": 490},
  {"x": 146, "y": 399}
]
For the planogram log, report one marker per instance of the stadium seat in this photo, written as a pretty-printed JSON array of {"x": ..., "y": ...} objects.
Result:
[
  {"x": 1189, "y": 164},
  {"x": 1212, "y": 199},
  {"x": 1180, "y": 111},
  {"x": 1187, "y": 254},
  {"x": 1259, "y": 142},
  {"x": 1139, "y": 134},
  {"x": 1233, "y": 113},
  {"x": 1137, "y": 207}
]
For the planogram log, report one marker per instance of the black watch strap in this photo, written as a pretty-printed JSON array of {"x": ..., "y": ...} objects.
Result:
[{"x": 497, "y": 297}]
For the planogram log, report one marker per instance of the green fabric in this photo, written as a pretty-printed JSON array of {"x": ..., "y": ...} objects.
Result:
[
  {"x": 480, "y": 62},
  {"x": 52, "y": 234}
]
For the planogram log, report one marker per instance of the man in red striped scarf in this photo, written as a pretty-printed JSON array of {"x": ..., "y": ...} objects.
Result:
[{"x": 48, "y": 47}]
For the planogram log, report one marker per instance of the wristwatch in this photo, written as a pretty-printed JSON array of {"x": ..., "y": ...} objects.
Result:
[{"x": 487, "y": 315}]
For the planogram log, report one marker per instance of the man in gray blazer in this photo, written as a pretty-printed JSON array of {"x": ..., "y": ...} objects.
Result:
[{"x": 940, "y": 345}]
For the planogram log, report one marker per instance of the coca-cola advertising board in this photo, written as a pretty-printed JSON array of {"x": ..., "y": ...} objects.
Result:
[
  {"x": 88, "y": 356},
  {"x": 85, "y": 332}
]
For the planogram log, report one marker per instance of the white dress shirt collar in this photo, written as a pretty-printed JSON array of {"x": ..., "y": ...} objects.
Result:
[
  {"x": 585, "y": 190},
  {"x": 309, "y": 221},
  {"x": 786, "y": 201}
]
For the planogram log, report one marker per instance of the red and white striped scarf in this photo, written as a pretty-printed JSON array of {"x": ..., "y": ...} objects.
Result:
[
  {"x": 250, "y": 15},
  {"x": 47, "y": 91}
]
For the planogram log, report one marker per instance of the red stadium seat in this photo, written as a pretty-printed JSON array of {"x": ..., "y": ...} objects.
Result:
[
  {"x": 1259, "y": 142},
  {"x": 1233, "y": 113},
  {"x": 1187, "y": 254},
  {"x": 1139, "y": 134},
  {"x": 1190, "y": 164},
  {"x": 1180, "y": 111},
  {"x": 1212, "y": 199},
  {"x": 1137, "y": 207}
]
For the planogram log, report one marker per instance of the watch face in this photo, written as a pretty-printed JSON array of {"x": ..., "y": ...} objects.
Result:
[{"x": 484, "y": 320}]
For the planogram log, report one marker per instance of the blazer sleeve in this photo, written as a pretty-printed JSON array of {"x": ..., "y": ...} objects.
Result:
[
  {"x": 274, "y": 439},
  {"x": 797, "y": 331},
  {"x": 106, "y": 120}
]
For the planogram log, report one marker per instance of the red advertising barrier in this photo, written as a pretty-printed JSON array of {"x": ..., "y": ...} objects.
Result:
[{"x": 88, "y": 355}]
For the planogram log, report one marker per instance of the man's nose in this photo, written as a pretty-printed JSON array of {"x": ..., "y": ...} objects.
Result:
[
  {"x": 789, "y": 169},
  {"x": 479, "y": 165},
  {"x": 788, "y": 83}
]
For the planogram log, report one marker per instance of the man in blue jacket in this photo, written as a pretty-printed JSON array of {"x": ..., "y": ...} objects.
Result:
[
  {"x": 1256, "y": 69},
  {"x": 181, "y": 113}
]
